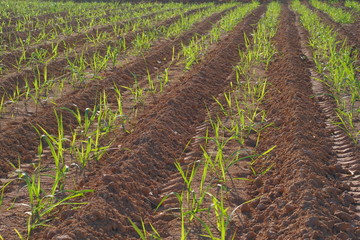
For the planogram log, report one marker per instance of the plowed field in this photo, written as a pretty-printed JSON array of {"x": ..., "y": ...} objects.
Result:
[{"x": 180, "y": 120}]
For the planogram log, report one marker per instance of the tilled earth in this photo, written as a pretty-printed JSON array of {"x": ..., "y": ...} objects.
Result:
[{"x": 311, "y": 192}]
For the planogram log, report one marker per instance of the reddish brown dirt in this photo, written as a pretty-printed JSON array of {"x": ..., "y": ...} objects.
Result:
[
  {"x": 58, "y": 67},
  {"x": 10, "y": 38},
  {"x": 303, "y": 197},
  {"x": 49, "y": 16},
  {"x": 349, "y": 31},
  {"x": 42, "y": 17},
  {"x": 19, "y": 139},
  {"x": 128, "y": 177},
  {"x": 18, "y": 218},
  {"x": 346, "y": 151}
]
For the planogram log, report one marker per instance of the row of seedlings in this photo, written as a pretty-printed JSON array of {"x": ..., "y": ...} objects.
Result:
[
  {"x": 337, "y": 14},
  {"x": 87, "y": 142},
  {"x": 336, "y": 63},
  {"x": 82, "y": 62},
  {"x": 208, "y": 181}
]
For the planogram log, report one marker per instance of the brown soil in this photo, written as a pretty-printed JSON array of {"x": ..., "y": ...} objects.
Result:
[
  {"x": 303, "y": 196},
  {"x": 10, "y": 38},
  {"x": 160, "y": 136},
  {"x": 58, "y": 67},
  {"x": 41, "y": 17},
  {"x": 78, "y": 39},
  {"x": 15, "y": 143},
  {"x": 45, "y": 18},
  {"x": 349, "y": 31},
  {"x": 150, "y": 58}
]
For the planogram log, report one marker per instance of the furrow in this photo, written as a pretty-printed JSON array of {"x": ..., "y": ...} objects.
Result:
[
  {"x": 349, "y": 31},
  {"x": 25, "y": 144},
  {"x": 140, "y": 176},
  {"x": 342, "y": 146},
  {"x": 297, "y": 196},
  {"x": 58, "y": 67}
]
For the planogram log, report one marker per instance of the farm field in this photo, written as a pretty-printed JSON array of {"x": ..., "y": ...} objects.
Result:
[{"x": 231, "y": 120}]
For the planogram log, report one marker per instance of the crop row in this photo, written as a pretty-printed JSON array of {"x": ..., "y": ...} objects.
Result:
[
  {"x": 199, "y": 44},
  {"x": 23, "y": 39},
  {"x": 207, "y": 181},
  {"x": 85, "y": 143},
  {"x": 95, "y": 55},
  {"x": 12, "y": 11},
  {"x": 336, "y": 63},
  {"x": 337, "y": 14},
  {"x": 58, "y": 18},
  {"x": 353, "y": 5},
  {"x": 130, "y": 21},
  {"x": 65, "y": 155}
]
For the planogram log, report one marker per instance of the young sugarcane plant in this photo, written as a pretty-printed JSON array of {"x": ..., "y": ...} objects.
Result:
[
  {"x": 42, "y": 203},
  {"x": 151, "y": 84},
  {"x": 120, "y": 112},
  {"x": 56, "y": 145},
  {"x": 77, "y": 66},
  {"x": 137, "y": 92},
  {"x": 2, "y": 106},
  {"x": 112, "y": 53},
  {"x": 15, "y": 97},
  {"x": 143, "y": 233}
]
